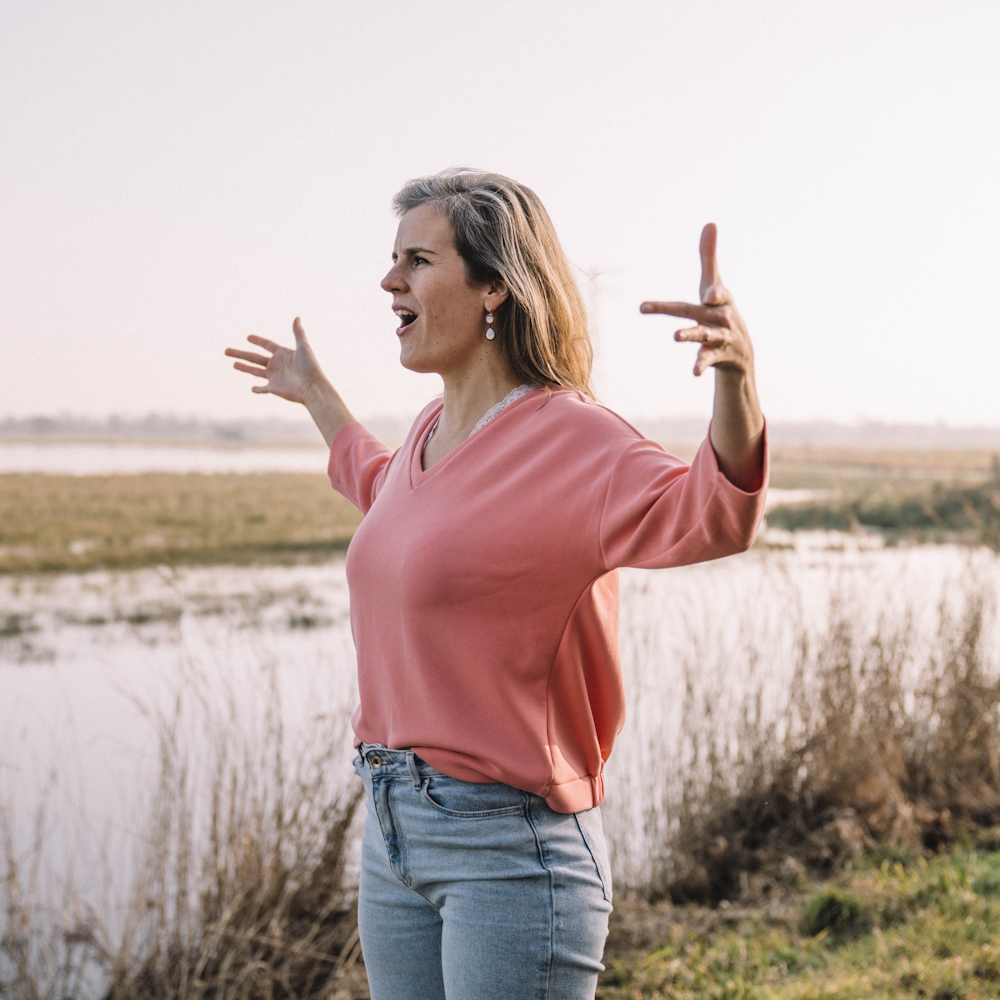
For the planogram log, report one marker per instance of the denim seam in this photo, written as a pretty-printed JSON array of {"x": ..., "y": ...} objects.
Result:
[
  {"x": 454, "y": 814},
  {"x": 404, "y": 857},
  {"x": 399, "y": 838},
  {"x": 593, "y": 857},
  {"x": 552, "y": 896},
  {"x": 400, "y": 845}
]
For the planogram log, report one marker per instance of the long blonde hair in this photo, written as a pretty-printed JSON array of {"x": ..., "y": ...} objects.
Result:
[{"x": 502, "y": 231}]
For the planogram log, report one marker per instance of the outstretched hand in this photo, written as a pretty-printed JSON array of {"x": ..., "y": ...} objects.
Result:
[
  {"x": 290, "y": 373},
  {"x": 725, "y": 343},
  {"x": 737, "y": 429}
]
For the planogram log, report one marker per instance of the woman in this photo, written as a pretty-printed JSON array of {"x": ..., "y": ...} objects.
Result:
[{"x": 484, "y": 592}]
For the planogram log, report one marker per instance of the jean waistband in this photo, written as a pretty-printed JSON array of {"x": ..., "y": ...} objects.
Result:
[{"x": 383, "y": 763}]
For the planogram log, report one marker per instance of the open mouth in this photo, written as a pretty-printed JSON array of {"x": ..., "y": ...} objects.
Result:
[{"x": 406, "y": 319}]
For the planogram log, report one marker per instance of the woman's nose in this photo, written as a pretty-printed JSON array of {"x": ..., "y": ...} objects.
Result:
[{"x": 392, "y": 282}]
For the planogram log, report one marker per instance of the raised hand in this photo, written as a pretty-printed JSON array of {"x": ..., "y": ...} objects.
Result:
[
  {"x": 290, "y": 373},
  {"x": 295, "y": 374},
  {"x": 725, "y": 343},
  {"x": 737, "y": 422}
]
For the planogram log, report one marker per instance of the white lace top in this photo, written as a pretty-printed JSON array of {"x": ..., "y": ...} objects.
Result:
[{"x": 492, "y": 411}]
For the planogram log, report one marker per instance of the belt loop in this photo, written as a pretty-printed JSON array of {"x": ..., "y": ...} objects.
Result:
[{"x": 411, "y": 763}]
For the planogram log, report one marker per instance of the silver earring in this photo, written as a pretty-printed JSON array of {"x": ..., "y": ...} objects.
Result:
[{"x": 490, "y": 332}]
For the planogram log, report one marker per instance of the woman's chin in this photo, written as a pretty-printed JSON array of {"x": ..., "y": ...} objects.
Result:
[{"x": 414, "y": 361}]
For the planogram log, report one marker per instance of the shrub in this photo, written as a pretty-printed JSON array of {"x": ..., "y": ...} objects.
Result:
[{"x": 835, "y": 911}]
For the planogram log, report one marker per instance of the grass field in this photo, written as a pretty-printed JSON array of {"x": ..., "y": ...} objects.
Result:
[
  {"x": 851, "y": 470},
  {"x": 837, "y": 846},
  {"x": 921, "y": 496},
  {"x": 895, "y": 926},
  {"x": 58, "y": 523}
]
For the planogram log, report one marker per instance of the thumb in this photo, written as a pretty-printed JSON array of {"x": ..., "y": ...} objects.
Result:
[
  {"x": 300, "y": 334},
  {"x": 709, "y": 268}
]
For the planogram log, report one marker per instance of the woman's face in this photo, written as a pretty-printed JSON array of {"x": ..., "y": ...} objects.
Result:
[{"x": 442, "y": 318}]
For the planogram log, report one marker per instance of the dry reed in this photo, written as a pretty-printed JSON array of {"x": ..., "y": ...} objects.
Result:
[
  {"x": 878, "y": 742},
  {"x": 240, "y": 889}
]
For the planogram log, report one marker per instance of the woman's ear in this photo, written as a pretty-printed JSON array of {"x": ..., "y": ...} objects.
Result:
[{"x": 497, "y": 293}]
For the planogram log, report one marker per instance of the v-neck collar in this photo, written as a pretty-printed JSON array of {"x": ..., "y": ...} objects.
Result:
[{"x": 417, "y": 473}]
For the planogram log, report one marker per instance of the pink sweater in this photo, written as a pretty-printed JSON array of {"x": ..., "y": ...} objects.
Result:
[{"x": 484, "y": 596}]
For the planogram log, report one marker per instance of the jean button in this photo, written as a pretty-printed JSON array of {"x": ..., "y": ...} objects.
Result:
[{"x": 376, "y": 761}]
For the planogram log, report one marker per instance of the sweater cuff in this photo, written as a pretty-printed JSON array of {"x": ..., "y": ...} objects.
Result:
[{"x": 342, "y": 443}]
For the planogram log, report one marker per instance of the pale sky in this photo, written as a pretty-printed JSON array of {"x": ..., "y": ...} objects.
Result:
[{"x": 174, "y": 176}]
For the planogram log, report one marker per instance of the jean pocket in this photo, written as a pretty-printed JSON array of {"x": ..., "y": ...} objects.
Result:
[
  {"x": 472, "y": 800},
  {"x": 592, "y": 828}
]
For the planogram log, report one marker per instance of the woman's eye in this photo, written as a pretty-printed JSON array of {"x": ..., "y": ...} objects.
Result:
[{"x": 419, "y": 260}]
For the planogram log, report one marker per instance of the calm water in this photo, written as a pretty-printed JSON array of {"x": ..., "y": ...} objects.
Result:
[
  {"x": 87, "y": 459},
  {"x": 87, "y": 661},
  {"x": 124, "y": 459}
]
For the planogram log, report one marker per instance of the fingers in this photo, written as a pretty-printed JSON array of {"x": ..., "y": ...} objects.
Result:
[
  {"x": 709, "y": 315},
  {"x": 707, "y": 357},
  {"x": 268, "y": 345},
  {"x": 259, "y": 372},
  {"x": 713, "y": 292},
  {"x": 711, "y": 289},
  {"x": 709, "y": 267},
  {"x": 257, "y": 359},
  {"x": 702, "y": 335},
  {"x": 714, "y": 295},
  {"x": 713, "y": 345},
  {"x": 714, "y": 342}
]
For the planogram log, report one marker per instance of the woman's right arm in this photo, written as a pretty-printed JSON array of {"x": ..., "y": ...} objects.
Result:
[{"x": 295, "y": 374}]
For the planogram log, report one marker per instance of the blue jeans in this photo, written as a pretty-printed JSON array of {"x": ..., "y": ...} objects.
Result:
[{"x": 474, "y": 891}]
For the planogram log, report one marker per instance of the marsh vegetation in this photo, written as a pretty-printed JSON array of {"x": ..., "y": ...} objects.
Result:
[
  {"x": 806, "y": 796},
  {"x": 900, "y": 496},
  {"x": 58, "y": 523}
]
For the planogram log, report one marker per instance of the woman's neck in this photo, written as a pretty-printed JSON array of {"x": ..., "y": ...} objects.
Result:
[{"x": 468, "y": 396}]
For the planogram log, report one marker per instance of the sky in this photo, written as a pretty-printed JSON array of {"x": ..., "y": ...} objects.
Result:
[{"x": 176, "y": 176}]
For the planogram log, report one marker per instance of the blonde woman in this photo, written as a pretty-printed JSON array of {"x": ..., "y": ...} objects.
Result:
[{"x": 484, "y": 591}]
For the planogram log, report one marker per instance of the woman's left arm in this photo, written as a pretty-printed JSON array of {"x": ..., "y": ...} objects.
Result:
[{"x": 737, "y": 422}]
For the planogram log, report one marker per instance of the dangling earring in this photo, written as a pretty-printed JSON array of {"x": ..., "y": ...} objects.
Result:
[{"x": 490, "y": 332}]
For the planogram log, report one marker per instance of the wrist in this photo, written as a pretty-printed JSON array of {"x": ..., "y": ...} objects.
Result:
[
  {"x": 317, "y": 393},
  {"x": 327, "y": 409},
  {"x": 737, "y": 409}
]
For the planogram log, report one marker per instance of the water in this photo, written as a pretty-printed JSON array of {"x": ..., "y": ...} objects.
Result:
[
  {"x": 131, "y": 459},
  {"x": 92, "y": 667},
  {"x": 105, "y": 459},
  {"x": 88, "y": 661}
]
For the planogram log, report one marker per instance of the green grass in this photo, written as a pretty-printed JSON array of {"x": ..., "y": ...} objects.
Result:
[
  {"x": 928, "y": 929},
  {"x": 73, "y": 523},
  {"x": 59, "y": 523},
  {"x": 925, "y": 496},
  {"x": 966, "y": 513}
]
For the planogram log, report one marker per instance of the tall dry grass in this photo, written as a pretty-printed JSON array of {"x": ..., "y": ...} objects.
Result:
[
  {"x": 240, "y": 886},
  {"x": 879, "y": 740}
]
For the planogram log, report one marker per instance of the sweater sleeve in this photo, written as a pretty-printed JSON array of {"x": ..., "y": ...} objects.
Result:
[
  {"x": 660, "y": 512},
  {"x": 358, "y": 465}
]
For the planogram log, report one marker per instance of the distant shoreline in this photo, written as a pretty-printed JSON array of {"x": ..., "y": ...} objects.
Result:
[{"x": 159, "y": 429}]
